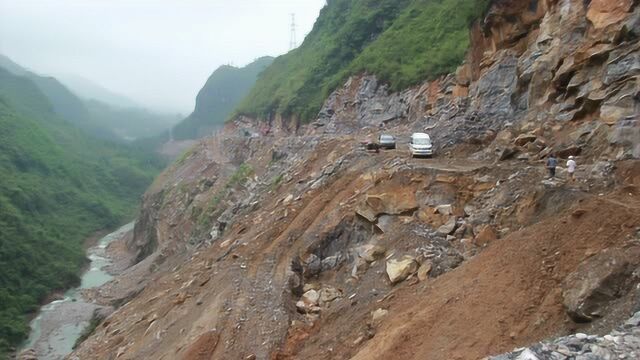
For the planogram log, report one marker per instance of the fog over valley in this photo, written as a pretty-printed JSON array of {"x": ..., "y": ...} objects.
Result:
[{"x": 158, "y": 53}]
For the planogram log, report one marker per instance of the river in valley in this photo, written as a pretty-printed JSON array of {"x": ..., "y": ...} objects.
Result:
[{"x": 59, "y": 324}]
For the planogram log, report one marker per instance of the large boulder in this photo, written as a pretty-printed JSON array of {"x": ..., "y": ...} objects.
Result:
[
  {"x": 399, "y": 270},
  {"x": 597, "y": 281},
  {"x": 392, "y": 203}
]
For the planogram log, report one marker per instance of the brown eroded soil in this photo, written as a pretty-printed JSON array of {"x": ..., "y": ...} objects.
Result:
[{"x": 507, "y": 296}]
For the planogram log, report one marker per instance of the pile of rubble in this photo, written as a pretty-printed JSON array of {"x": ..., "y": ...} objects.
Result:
[{"x": 623, "y": 343}]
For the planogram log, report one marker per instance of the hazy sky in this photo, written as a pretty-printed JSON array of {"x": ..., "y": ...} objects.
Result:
[{"x": 157, "y": 52}]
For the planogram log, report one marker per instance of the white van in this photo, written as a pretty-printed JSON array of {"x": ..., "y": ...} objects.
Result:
[{"x": 420, "y": 145}]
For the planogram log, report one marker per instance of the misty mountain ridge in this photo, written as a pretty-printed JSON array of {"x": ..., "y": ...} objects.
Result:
[
  {"x": 90, "y": 90},
  {"x": 108, "y": 116},
  {"x": 217, "y": 99}
]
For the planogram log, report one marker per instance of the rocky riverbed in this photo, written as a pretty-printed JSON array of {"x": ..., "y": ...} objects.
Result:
[{"x": 59, "y": 324}]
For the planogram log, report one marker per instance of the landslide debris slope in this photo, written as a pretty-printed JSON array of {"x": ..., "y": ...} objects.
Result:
[{"x": 276, "y": 240}]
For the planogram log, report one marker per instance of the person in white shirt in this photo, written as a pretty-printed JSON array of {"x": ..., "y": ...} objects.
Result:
[{"x": 571, "y": 168}]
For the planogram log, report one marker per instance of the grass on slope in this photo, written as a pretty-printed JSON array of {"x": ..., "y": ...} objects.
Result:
[
  {"x": 57, "y": 185},
  {"x": 430, "y": 38},
  {"x": 402, "y": 41}
]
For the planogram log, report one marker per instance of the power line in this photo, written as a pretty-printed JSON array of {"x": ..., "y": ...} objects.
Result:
[{"x": 293, "y": 43}]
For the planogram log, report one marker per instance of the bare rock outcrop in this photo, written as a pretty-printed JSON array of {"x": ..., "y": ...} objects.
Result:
[{"x": 598, "y": 281}]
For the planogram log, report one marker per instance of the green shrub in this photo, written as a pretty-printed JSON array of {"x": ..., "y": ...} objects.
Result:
[{"x": 401, "y": 41}]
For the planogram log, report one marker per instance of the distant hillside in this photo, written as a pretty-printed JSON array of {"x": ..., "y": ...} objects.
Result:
[
  {"x": 58, "y": 185},
  {"x": 88, "y": 89},
  {"x": 401, "y": 41},
  {"x": 108, "y": 116},
  {"x": 130, "y": 123},
  {"x": 11, "y": 66},
  {"x": 226, "y": 87}
]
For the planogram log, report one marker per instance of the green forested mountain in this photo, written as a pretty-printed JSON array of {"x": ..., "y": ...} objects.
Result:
[
  {"x": 95, "y": 116},
  {"x": 224, "y": 89},
  {"x": 402, "y": 41},
  {"x": 57, "y": 185}
]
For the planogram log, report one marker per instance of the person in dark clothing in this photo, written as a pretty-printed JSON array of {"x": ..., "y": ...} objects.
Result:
[{"x": 552, "y": 162}]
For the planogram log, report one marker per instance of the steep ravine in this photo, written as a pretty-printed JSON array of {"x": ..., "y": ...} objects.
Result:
[{"x": 300, "y": 245}]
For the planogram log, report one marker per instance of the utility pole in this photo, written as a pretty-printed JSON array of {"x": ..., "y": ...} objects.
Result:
[{"x": 293, "y": 43}]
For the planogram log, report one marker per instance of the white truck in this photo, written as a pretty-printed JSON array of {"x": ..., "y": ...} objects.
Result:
[{"x": 421, "y": 145}]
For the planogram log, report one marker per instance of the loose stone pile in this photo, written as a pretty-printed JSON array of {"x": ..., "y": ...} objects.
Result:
[{"x": 622, "y": 343}]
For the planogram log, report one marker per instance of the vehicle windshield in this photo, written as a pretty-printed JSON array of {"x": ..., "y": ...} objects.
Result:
[
  {"x": 386, "y": 138},
  {"x": 422, "y": 141}
]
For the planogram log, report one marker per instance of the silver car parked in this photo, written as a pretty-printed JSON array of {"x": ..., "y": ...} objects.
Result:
[{"x": 387, "y": 141}]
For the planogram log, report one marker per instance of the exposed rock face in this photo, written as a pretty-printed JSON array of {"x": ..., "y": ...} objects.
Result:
[
  {"x": 598, "y": 281},
  {"x": 603, "y": 13},
  {"x": 246, "y": 234}
]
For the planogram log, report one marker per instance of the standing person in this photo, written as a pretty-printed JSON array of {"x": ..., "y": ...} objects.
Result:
[
  {"x": 571, "y": 168},
  {"x": 552, "y": 162}
]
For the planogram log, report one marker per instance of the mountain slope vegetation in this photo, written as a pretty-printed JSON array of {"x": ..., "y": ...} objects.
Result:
[
  {"x": 404, "y": 42},
  {"x": 57, "y": 186},
  {"x": 100, "y": 113},
  {"x": 224, "y": 89}
]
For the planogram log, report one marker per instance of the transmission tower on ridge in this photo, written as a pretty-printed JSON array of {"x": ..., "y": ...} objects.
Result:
[{"x": 294, "y": 42}]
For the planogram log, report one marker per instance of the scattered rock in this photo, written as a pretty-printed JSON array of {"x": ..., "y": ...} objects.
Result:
[
  {"x": 311, "y": 297},
  {"x": 378, "y": 315},
  {"x": 446, "y": 210},
  {"x": 287, "y": 200},
  {"x": 423, "y": 271},
  {"x": 449, "y": 227},
  {"x": 485, "y": 236},
  {"x": 329, "y": 294},
  {"x": 371, "y": 253},
  {"x": 623, "y": 343},
  {"x": 399, "y": 270}
]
